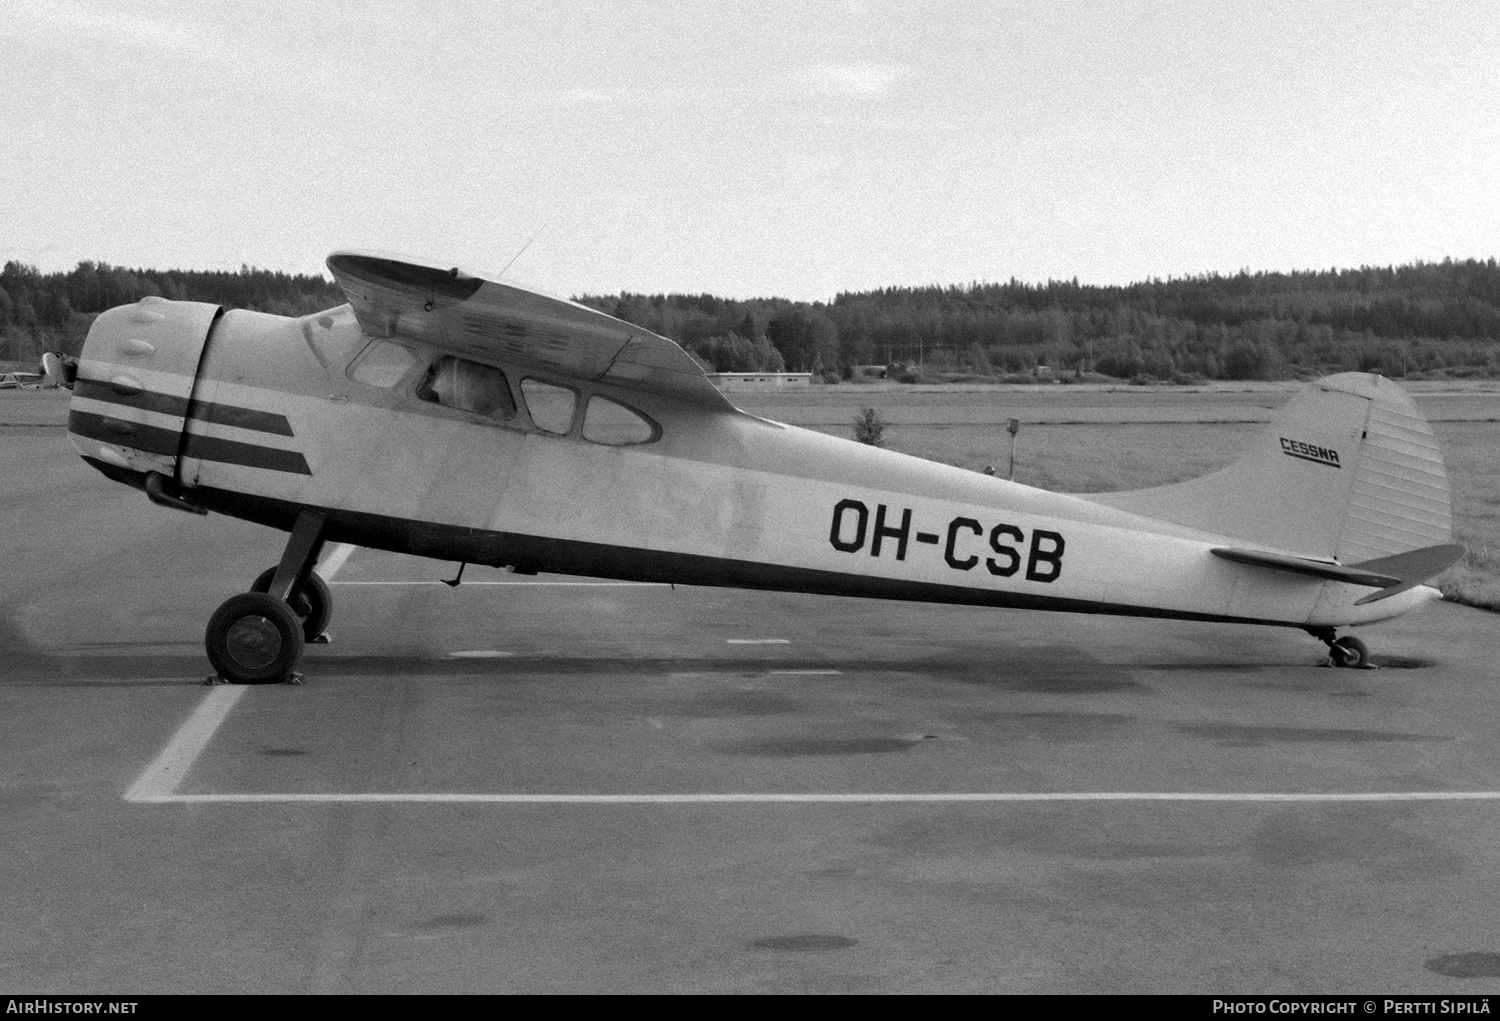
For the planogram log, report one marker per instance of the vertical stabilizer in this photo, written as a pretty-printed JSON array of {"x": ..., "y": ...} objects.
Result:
[{"x": 1347, "y": 469}]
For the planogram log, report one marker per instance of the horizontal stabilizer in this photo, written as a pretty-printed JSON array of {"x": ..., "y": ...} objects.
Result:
[
  {"x": 1412, "y": 568},
  {"x": 1301, "y": 565},
  {"x": 1392, "y": 575},
  {"x": 1418, "y": 564}
]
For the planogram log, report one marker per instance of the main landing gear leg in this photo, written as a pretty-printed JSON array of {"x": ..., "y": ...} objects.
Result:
[
  {"x": 1347, "y": 652},
  {"x": 257, "y": 637}
]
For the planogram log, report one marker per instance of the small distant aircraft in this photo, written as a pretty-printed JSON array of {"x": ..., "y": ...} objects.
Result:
[
  {"x": 448, "y": 416},
  {"x": 57, "y": 370}
]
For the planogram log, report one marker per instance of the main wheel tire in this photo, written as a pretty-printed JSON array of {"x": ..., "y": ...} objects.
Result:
[
  {"x": 254, "y": 639},
  {"x": 314, "y": 604},
  {"x": 1351, "y": 653}
]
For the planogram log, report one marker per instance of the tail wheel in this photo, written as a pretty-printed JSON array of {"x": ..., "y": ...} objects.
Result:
[
  {"x": 254, "y": 639},
  {"x": 1350, "y": 652},
  {"x": 314, "y": 604}
]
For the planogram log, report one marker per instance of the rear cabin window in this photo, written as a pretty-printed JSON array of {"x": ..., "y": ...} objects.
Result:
[
  {"x": 551, "y": 406},
  {"x": 468, "y": 386},
  {"x": 608, "y": 422},
  {"x": 382, "y": 364}
]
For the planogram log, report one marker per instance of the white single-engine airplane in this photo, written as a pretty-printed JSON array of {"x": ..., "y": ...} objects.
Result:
[
  {"x": 448, "y": 416},
  {"x": 56, "y": 371}
]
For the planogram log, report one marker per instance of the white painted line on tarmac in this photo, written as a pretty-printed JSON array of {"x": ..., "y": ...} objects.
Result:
[
  {"x": 479, "y": 654},
  {"x": 804, "y": 673},
  {"x": 160, "y": 779},
  {"x": 330, "y": 564},
  {"x": 759, "y": 641},
  {"x": 842, "y": 799}
]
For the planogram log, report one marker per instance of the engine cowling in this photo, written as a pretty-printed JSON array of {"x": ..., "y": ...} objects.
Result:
[{"x": 134, "y": 386}]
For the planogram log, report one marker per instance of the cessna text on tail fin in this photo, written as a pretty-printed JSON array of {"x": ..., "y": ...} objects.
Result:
[{"x": 449, "y": 416}]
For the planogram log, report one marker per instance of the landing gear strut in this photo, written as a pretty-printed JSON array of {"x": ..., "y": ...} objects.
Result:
[
  {"x": 313, "y": 605},
  {"x": 1347, "y": 652},
  {"x": 257, "y": 637}
]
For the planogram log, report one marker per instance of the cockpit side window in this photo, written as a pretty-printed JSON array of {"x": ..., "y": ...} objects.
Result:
[
  {"x": 551, "y": 406},
  {"x": 611, "y": 423},
  {"x": 468, "y": 386},
  {"x": 382, "y": 364}
]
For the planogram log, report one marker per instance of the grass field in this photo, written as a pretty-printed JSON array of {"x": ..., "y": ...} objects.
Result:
[
  {"x": 1102, "y": 458},
  {"x": 1472, "y": 453}
]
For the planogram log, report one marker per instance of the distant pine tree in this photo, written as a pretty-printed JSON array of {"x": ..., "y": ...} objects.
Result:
[{"x": 868, "y": 428}]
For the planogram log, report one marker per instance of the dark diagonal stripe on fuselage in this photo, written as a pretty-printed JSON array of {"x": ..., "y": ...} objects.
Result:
[
  {"x": 148, "y": 438},
  {"x": 155, "y": 440},
  {"x": 144, "y": 400},
  {"x": 243, "y": 418},
  {"x": 212, "y": 448},
  {"x": 166, "y": 404}
]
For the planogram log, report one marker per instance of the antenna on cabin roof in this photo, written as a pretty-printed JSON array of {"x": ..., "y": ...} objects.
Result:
[{"x": 527, "y": 245}]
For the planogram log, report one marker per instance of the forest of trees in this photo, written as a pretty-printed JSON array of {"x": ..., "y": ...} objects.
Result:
[
  {"x": 1420, "y": 319},
  {"x": 1402, "y": 321},
  {"x": 53, "y": 311}
]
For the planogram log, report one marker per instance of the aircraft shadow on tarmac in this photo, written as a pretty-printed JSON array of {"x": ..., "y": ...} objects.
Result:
[
  {"x": 96, "y": 668},
  {"x": 1052, "y": 669},
  {"x": 1057, "y": 669}
]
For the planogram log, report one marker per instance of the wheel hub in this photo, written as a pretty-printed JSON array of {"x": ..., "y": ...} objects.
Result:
[{"x": 253, "y": 642}]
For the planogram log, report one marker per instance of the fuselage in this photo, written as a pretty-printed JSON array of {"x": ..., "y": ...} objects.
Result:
[{"x": 274, "y": 415}]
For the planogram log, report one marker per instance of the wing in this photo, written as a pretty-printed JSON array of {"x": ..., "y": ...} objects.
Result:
[{"x": 467, "y": 314}]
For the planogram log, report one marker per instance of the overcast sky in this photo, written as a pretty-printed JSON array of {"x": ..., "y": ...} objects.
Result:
[{"x": 789, "y": 149}]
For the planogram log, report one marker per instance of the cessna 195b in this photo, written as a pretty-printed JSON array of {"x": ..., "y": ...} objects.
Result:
[{"x": 444, "y": 415}]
